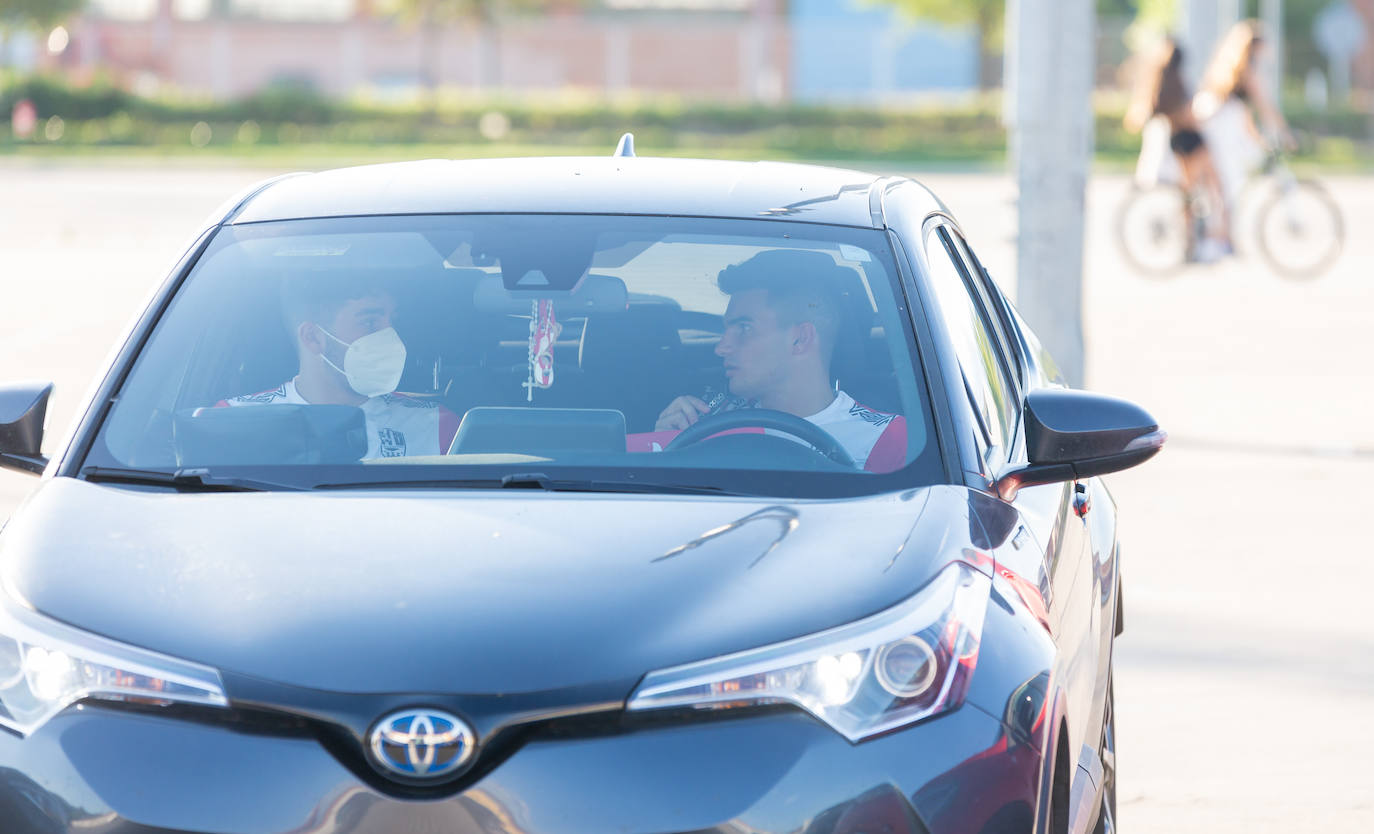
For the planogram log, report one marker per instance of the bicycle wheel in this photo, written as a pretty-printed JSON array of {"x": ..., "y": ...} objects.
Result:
[
  {"x": 1300, "y": 230},
  {"x": 1254, "y": 195},
  {"x": 1152, "y": 231}
]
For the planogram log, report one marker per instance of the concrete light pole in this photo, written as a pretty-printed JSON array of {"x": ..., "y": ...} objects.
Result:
[
  {"x": 1200, "y": 25},
  {"x": 1053, "y": 61},
  {"x": 1203, "y": 23},
  {"x": 1271, "y": 13}
]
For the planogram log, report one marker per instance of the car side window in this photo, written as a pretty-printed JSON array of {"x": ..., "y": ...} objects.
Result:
[
  {"x": 976, "y": 347},
  {"x": 996, "y": 317}
]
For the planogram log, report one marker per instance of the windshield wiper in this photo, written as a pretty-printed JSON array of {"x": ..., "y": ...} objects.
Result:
[
  {"x": 183, "y": 479},
  {"x": 539, "y": 481}
]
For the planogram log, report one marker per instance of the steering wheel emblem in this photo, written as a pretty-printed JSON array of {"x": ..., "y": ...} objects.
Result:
[{"x": 421, "y": 744}]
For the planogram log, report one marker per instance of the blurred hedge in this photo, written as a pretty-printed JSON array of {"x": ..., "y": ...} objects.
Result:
[{"x": 102, "y": 115}]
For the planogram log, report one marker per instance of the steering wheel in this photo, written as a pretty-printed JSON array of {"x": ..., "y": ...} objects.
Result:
[{"x": 821, "y": 441}]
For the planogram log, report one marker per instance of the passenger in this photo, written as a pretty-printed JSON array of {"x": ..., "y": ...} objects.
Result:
[
  {"x": 781, "y": 328},
  {"x": 349, "y": 354},
  {"x": 1231, "y": 88},
  {"x": 1161, "y": 94}
]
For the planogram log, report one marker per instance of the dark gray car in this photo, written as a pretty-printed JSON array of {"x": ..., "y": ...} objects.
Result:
[{"x": 568, "y": 495}]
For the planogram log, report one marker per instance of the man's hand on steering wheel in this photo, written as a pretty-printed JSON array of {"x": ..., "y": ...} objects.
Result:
[
  {"x": 681, "y": 413},
  {"x": 818, "y": 439}
]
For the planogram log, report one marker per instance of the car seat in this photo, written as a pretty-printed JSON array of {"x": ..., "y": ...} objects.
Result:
[
  {"x": 862, "y": 363},
  {"x": 633, "y": 361}
]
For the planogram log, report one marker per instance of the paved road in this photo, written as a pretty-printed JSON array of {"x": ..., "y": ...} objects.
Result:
[{"x": 1245, "y": 679}]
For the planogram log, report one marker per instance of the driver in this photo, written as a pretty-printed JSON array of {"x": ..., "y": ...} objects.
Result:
[
  {"x": 349, "y": 354},
  {"x": 781, "y": 327}
]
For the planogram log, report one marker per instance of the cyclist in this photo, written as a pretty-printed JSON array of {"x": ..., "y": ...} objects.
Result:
[
  {"x": 1231, "y": 87},
  {"x": 1161, "y": 99}
]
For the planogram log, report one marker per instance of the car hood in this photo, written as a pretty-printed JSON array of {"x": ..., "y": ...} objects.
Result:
[{"x": 482, "y": 592}]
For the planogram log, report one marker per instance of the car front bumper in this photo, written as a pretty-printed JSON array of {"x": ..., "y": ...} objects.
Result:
[{"x": 101, "y": 769}]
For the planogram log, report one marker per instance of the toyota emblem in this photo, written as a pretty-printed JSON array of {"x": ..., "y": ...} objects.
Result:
[{"x": 421, "y": 744}]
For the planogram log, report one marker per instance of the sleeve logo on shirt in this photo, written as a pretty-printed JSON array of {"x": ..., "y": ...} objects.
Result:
[
  {"x": 868, "y": 415},
  {"x": 392, "y": 443},
  {"x": 405, "y": 401},
  {"x": 262, "y": 397}
]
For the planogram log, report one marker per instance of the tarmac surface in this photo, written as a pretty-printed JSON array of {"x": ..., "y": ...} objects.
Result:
[{"x": 1245, "y": 677}]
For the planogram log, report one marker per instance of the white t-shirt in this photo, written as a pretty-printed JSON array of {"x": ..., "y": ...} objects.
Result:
[
  {"x": 858, "y": 428},
  {"x": 397, "y": 425},
  {"x": 874, "y": 439}
]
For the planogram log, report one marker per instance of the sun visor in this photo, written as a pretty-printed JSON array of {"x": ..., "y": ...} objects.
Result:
[{"x": 375, "y": 250}]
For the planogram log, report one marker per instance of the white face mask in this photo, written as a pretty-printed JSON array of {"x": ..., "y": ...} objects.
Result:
[{"x": 373, "y": 363}]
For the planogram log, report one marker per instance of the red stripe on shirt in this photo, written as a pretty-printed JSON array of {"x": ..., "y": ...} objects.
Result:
[{"x": 889, "y": 453}]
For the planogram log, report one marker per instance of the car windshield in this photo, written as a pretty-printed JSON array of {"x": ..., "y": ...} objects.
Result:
[{"x": 605, "y": 353}]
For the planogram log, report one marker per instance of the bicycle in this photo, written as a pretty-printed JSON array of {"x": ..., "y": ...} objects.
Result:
[{"x": 1297, "y": 226}]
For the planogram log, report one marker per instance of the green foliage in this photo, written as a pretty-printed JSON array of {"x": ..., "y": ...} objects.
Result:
[
  {"x": 993, "y": 11},
  {"x": 284, "y": 102},
  {"x": 953, "y": 11},
  {"x": 427, "y": 12},
  {"x": 39, "y": 14},
  {"x": 1301, "y": 52},
  {"x": 435, "y": 11},
  {"x": 1160, "y": 15},
  {"x": 52, "y": 96},
  {"x": 1118, "y": 8},
  {"x": 986, "y": 15},
  {"x": 989, "y": 16},
  {"x": 290, "y": 118}
]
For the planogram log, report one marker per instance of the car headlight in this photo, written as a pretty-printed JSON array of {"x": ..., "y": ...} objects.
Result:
[
  {"x": 901, "y": 665},
  {"x": 46, "y": 666}
]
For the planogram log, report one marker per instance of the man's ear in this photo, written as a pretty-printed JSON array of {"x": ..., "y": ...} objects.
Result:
[
  {"x": 310, "y": 337},
  {"x": 804, "y": 338}
]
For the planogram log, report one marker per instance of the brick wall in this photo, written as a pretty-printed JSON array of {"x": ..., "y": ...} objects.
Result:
[{"x": 718, "y": 57}]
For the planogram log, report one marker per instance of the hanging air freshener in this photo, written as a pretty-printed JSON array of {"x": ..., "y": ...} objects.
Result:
[{"x": 544, "y": 330}]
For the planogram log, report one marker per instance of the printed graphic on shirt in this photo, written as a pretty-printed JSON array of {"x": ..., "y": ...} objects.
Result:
[
  {"x": 405, "y": 401},
  {"x": 397, "y": 425},
  {"x": 868, "y": 415},
  {"x": 262, "y": 397},
  {"x": 391, "y": 443}
]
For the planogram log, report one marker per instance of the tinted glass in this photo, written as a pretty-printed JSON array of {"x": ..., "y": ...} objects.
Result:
[
  {"x": 990, "y": 300},
  {"x": 475, "y": 348},
  {"x": 975, "y": 345}
]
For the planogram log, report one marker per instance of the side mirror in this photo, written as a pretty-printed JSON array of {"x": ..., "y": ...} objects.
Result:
[
  {"x": 1077, "y": 434},
  {"x": 23, "y": 405}
]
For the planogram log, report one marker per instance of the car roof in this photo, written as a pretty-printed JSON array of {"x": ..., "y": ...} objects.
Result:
[{"x": 584, "y": 185}]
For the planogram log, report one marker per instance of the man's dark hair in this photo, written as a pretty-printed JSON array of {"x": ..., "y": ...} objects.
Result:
[
  {"x": 318, "y": 297},
  {"x": 801, "y": 286}
]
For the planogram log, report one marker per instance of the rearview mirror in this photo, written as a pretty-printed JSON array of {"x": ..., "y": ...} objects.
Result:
[
  {"x": 1078, "y": 434},
  {"x": 593, "y": 294},
  {"x": 23, "y": 407}
]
